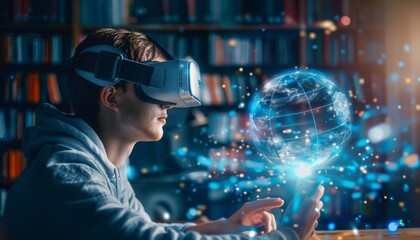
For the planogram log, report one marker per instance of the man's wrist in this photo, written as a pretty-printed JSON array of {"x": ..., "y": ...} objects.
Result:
[{"x": 213, "y": 227}]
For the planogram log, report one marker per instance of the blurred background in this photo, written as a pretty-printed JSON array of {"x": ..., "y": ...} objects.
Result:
[{"x": 206, "y": 164}]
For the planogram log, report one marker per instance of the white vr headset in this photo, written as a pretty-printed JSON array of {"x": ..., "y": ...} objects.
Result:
[{"x": 175, "y": 82}]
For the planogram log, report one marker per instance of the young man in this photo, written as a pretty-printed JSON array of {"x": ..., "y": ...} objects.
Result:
[{"x": 76, "y": 185}]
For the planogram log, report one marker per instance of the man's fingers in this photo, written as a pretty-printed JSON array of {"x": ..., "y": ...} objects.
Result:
[
  {"x": 273, "y": 222},
  {"x": 319, "y": 192},
  {"x": 320, "y": 205},
  {"x": 267, "y": 222},
  {"x": 263, "y": 204}
]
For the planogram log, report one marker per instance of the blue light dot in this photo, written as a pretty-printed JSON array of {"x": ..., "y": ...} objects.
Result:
[
  {"x": 392, "y": 226},
  {"x": 331, "y": 226},
  {"x": 407, "y": 48},
  {"x": 400, "y": 64},
  {"x": 406, "y": 188},
  {"x": 192, "y": 213},
  {"x": 395, "y": 77},
  {"x": 182, "y": 151},
  {"x": 356, "y": 195},
  {"x": 214, "y": 185}
]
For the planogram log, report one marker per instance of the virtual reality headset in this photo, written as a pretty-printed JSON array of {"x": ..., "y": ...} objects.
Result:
[{"x": 174, "y": 82}]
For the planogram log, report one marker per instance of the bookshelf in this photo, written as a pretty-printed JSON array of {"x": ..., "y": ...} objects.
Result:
[
  {"x": 239, "y": 44},
  {"x": 34, "y": 49}
]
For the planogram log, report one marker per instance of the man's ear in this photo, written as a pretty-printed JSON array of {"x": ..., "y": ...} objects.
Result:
[{"x": 108, "y": 98}]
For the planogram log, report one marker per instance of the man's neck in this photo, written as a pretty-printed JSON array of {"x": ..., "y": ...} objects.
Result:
[{"x": 116, "y": 150}]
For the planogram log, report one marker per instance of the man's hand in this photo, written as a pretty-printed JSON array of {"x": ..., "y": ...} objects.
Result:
[
  {"x": 253, "y": 215},
  {"x": 250, "y": 216},
  {"x": 302, "y": 213}
]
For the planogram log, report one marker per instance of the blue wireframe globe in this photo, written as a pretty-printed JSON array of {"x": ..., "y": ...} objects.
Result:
[{"x": 300, "y": 118}]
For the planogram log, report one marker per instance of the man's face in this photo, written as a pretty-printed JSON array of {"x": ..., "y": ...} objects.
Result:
[{"x": 140, "y": 120}]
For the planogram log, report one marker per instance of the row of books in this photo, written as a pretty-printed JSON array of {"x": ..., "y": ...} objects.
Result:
[
  {"x": 104, "y": 12},
  {"x": 343, "y": 49},
  {"x": 270, "y": 50},
  {"x": 228, "y": 89},
  {"x": 346, "y": 48},
  {"x": 31, "y": 88},
  {"x": 242, "y": 50},
  {"x": 39, "y": 11},
  {"x": 215, "y": 11},
  {"x": 235, "y": 89},
  {"x": 12, "y": 165},
  {"x": 34, "y": 48},
  {"x": 182, "y": 45},
  {"x": 13, "y": 123},
  {"x": 360, "y": 12}
]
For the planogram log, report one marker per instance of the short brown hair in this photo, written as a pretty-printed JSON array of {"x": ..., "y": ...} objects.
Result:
[{"x": 84, "y": 95}]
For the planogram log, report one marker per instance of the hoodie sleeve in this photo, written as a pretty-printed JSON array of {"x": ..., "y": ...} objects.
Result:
[
  {"x": 87, "y": 210},
  {"x": 136, "y": 206}
]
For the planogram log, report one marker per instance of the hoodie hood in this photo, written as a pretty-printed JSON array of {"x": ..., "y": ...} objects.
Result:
[{"x": 53, "y": 127}]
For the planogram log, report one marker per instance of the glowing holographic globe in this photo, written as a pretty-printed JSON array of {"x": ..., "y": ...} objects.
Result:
[{"x": 300, "y": 118}]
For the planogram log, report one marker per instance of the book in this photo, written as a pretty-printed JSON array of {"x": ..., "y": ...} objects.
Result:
[
  {"x": 291, "y": 12},
  {"x": 53, "y": 89},
  {"x": 33, "y": 87},
  {"x": 3, "y": 129}
]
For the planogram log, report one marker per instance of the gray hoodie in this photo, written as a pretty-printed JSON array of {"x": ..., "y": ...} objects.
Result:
[{"x": 72, "y": 191}]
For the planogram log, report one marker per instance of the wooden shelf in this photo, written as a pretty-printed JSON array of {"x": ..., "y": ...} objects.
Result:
[
  {"x": 201, "y": 27},
  {"x": 6, "y": 184},
  {"x": 34, "y": 27},
  {"x": 39, "y": 67}
]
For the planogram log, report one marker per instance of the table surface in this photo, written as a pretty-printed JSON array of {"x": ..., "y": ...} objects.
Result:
[{"x": 383, "y": 234}]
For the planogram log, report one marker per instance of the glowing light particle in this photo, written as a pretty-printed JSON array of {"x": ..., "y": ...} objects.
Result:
[
  {"x": 412, "y": 161},
  {"x": 312, "y": 35},
  {"x": 252, "y": 234},
  {"x": 400, "y": 64},
  {"x": 192, "y": 213},
  {"x": 182, "y": 151},
  {"x": 331, "y": 226},
  {"x": 395, "y": 77},
  {"x": 407, "y": 47},
  {"x": 287, "y": 131},
  {"x": 232, "y": 42},
  {"x": 393, "y": 226},
  {"x": 379, "y": 132},
  {"x": 355, "y": 231},
  {"x": 345, "y": 20}
]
